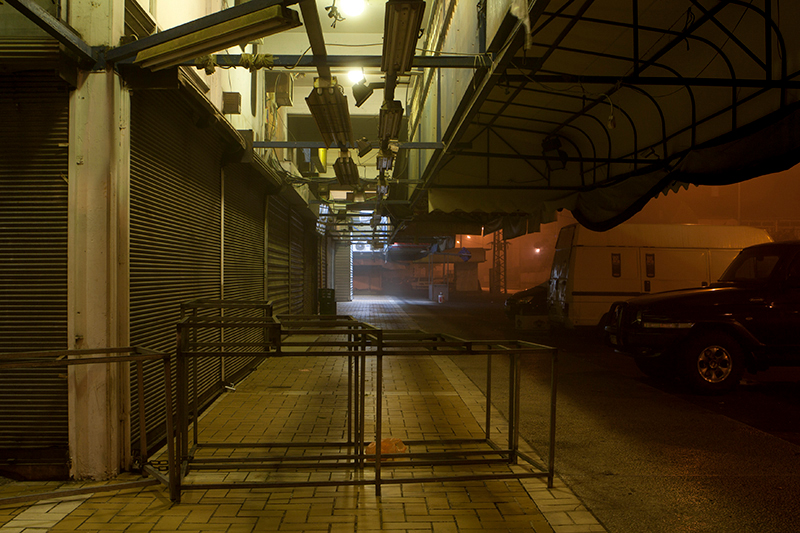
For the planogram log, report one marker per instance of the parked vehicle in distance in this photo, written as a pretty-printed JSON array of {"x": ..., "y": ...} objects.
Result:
[
  {"x": 709, "y": 336},
  {"x": 591, "y": 270},
  {"x": 529, "y": 302}
]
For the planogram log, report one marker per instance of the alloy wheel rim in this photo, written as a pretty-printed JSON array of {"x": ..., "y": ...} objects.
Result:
[{"x": 714, "y": 364}]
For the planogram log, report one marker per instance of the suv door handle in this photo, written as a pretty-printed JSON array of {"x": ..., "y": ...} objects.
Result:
[{"x": 756, "y": 300}]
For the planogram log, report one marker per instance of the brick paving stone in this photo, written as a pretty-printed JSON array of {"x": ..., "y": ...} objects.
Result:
[{"x": 303, "y": 398}]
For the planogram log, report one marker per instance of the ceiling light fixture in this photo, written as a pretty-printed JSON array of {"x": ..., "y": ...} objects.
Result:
[
  {"x": 328, "y": 105},
  {"x": 236, "y": 31},
  {"x": 390, "y": 119},
  {"x": 361, "y": 92},
  {"x": 364, "y": 146},
  {"x": 384, "y": 160},
  {"x": 556, "y": 157},
  {"x": 356, "y": 75},
  {"x": 346, "y": 169},
  {"x": 353, "y": 8},
  {"x": 401, "y": 30},
  {"x": 383, "y": 186}
]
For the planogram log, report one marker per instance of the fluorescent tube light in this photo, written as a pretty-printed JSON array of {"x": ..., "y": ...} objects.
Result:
[
  {"x": 214, "y": 38},
  {"x": 391, "y": 117},
  {"x": 401, "y": 28},
  {"x": 346, "y": 169},
  {"x": 328, "y": 106}
]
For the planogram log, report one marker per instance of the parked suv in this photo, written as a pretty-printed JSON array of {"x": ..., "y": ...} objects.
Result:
[{"x": 749, "y": 319}]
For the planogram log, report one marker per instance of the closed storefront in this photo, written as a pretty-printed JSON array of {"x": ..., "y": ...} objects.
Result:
[
  {"x": 34, "y": 107},
  {"x": 343, "y": 271},
  {"x": 243, "y": 266},
  {"x": 176, "y": 243},
  {"x": 296, "y": 261},
  {"x": 278, "y": 255}
]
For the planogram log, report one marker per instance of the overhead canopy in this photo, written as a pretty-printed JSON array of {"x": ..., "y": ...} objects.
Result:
[{"x": 613, "y": 102}]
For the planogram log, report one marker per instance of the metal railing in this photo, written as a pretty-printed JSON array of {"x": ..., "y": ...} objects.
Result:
[
  {"x": 345, "y": 336},
  {"x": 68, "y": 358},
  {"x": 365, "y": 348}
]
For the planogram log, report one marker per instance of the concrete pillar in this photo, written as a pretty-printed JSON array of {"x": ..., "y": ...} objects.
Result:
[{"x": 98, "y": 293}]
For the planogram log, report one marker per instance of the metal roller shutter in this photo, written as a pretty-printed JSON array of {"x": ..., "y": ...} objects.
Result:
[
  {"x": 296, "y": 261},
  {"x": 175, "y": 235},
  {"x": 322, "y": 262},
  {"x": 278, "y": 255},
  {"x": 310, "y": 271},
  {"x": 244, "y": 258},
  {"x": 343, "y": 271},
  {"x": 34, "y": 107}
]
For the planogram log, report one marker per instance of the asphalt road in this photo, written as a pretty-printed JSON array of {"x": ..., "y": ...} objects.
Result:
[{"x": 644, "y": 455}]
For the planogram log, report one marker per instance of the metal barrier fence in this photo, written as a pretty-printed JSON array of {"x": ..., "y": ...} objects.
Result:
[
  {"x": 68, "y": 358},
  {"x": 347, "y": 337},
  {"x": 293, "y": 335}
]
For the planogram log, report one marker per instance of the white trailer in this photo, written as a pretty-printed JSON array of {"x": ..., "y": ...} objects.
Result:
[{"x": 591, "y": 270}]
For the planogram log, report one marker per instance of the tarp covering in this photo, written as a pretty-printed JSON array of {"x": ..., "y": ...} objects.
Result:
[
  {"x": 607, "y": 109},
  {"x": 771, "y": 144}
]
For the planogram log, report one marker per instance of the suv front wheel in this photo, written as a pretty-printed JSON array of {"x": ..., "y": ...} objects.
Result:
[{"x": 713, "y": 363}]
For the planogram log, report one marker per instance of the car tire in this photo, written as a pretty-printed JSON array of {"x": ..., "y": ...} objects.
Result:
[
  {"x": 713, "y": 363},
  {"x": 659, "y": 367}
]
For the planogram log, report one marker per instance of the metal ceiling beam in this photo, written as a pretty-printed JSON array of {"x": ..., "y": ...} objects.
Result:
[
  {"x": 320, "y": 144},
  {"x": 481, "y": 91},
  {"x": 57, "y": 29},
  {"x": 296, "y": 61},
  {"x": 647, "y": 63},
  {"x": 577, "y": 150},
  {"x": 563, "y": 34},
  {"x": 526, "y": 157},
  {"x": 655, "y": 80},
  {"x": 314, "y": 31},
  {"x": 130, "y": 50}
]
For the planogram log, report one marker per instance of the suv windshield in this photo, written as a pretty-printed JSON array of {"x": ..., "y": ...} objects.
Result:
[{"x": 751, "y": 265}]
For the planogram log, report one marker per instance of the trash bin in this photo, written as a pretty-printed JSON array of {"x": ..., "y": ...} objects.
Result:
[{"x": 327, "y": 301}]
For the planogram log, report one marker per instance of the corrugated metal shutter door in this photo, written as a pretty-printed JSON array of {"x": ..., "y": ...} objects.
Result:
[
  {"x": 278, "y": 255},
  {"x": 322, "y": 262},
  {"x": 175, "y": 234},
  {"x": 296, "y": 261},
  {"x": 310, "y": 270},
  {"x": 244, "y": 258},
  {"x": 33, "y": 262},
  {"x": 343, "y": 271}
]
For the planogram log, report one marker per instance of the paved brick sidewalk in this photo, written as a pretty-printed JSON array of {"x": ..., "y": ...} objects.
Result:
[{"x": 301, "y": 398}]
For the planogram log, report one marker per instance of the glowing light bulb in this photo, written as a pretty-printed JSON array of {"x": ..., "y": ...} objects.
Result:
[
  {"x": 356, "y": 76},
  {"x": 353, "y": 8}
]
